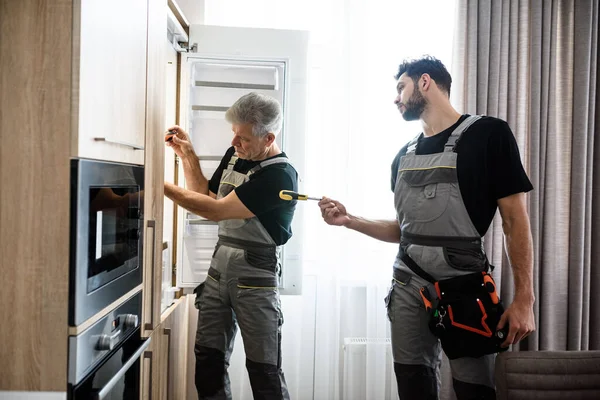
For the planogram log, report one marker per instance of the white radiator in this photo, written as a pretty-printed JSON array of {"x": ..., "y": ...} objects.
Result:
[{"x": 368, "y": 370}]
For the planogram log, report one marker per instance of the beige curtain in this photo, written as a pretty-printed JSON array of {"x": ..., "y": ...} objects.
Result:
[{"x": 535, "y": 65}]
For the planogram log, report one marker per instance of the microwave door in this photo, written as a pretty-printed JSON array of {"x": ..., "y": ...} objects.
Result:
[
  {"x": 114, "y": 232},
  {"x": 106, "y": 235}
]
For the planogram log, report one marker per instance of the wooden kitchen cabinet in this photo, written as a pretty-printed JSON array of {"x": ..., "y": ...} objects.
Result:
[
  {"x": 175, "y": 351},
  {"x": 150, "y": 370},
  {"x": 35, "y": 99},
  {"x": 154, "y": 165},
  {"x": 109, "y": 79},
  {"x": 163, "y": 369},
  {"x": 77, "y": 70}
]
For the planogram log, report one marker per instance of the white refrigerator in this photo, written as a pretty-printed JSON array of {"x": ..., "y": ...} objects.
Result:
[{"x": 221, "y": 65}]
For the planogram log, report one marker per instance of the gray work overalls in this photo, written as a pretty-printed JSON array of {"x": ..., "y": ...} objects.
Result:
[
  {"x": 241, "y": 288},
  {"x": 438, "y": 234}
]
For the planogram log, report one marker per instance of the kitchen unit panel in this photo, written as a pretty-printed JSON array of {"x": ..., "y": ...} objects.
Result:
[
  {"x": 154, "y": 165},
  {"x": 150, "y": 369},
  {"x": 60, "y": 107},
  {"x": 175, "y": 350},
  {"x": 110, "y": 80},
  {"x": 35, "y": 100}
]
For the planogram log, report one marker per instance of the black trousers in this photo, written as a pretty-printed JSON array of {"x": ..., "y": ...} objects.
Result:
[{"x": 419, "y": 382}]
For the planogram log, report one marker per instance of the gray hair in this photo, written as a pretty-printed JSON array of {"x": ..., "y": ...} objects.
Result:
[{"x": 263, "y": 112}]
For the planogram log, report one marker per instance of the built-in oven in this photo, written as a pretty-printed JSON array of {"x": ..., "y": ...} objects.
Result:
[
  {"x": 106, "y": 235},
  {"x": 104, "y": 360}
]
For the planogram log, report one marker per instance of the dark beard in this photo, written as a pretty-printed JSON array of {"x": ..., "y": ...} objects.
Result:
[{"x": 414, "y": 106}]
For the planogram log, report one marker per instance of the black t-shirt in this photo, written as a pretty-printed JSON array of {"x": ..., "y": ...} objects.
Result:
[
  {"x": 488, "y": 166},
  {"x": 260, "y": 194}
]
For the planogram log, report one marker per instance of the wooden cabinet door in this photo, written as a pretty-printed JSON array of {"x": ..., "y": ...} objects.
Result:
[
  {"x": 176, "y": 350},
  {"x": 170, "y": 120},
  {"x": 164, "y": 363},
  {"x": 154, "y": 164},
  {"x": 150, "y": 370},
  {"x": 109, "y": 77}
]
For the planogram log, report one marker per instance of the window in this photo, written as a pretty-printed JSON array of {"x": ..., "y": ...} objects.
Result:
[{"x": 354, "y": 129}]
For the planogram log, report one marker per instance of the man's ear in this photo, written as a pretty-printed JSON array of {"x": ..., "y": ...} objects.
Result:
[
  {"x": 425, "y": 82},
  {"x": 270, "y": 138}
]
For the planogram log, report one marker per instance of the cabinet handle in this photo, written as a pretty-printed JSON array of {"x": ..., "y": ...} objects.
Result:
[
  {"x": 148, "y": 355},
  {"x": 167, "y": 331},
  {"x": 150, "y": 326},
  {"x": 133, "y": 146}
]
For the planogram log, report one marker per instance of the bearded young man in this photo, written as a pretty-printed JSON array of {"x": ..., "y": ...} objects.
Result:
[{"x": 448, "y": 183}]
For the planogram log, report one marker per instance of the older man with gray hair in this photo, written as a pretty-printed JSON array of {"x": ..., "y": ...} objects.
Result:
[{"x": 242, "y": 283}]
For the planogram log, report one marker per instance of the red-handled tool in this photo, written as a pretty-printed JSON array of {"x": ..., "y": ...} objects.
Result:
[
  {"x": 169, "y": 136},
  {"x": 490, "y": 286},
  {"x": 426, "y": 301}
]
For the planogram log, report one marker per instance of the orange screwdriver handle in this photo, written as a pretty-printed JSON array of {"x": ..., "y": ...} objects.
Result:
[
  {"x": 426, "y": 301},
  {"x": 169, "y": 135},
  {"x": 491, "y": 288}
]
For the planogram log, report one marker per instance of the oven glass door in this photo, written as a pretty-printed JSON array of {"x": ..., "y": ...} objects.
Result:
[
  {"x": 117, "y": 378},
  {"x": 113, "y": 232}
]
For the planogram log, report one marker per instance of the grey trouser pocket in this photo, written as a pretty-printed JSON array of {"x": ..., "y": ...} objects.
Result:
[
  {"x": 258, "y": 312},
  {"x": 265, "y": 259},
  {"x": 388, "y": 300},
  {"x": 465, "y": 259},
  {"x": 198, "y": 292},
  {"x": 412, "y": 341},
  {"x": 214, "y": 275}
]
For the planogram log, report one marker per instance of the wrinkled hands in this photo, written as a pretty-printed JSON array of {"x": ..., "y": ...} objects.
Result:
[
  {"x": 521, "y": 322},
  {"x": 181, "y": 144},
  {"x": 333, "y": 212}
]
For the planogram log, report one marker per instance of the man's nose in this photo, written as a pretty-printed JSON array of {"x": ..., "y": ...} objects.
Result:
[{"x": 235, "y": 140}]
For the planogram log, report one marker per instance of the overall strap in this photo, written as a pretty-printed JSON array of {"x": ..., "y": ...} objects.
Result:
[
  {"x": 266, "y": 163},
  {"x": 410, "y": 263},
  {"x": 411, "y": 147},
  {"x": 453, "y": 139},
  {"x": 232, "y": 160}
]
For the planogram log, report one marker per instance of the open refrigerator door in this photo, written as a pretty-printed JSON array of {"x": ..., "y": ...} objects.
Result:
[{"x": 223, "y": 64}]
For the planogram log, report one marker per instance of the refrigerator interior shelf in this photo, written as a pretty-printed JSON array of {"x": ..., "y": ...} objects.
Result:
[
  {"x": 200, "y": 221},
  {"x": 236, "y": 85},
  {"x": 209, "y": 158},
  {"x": 210, "y": 108}
]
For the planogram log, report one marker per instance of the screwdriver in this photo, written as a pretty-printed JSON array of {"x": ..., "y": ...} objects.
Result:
[
  {"x": 289, "y": 195},
  {"x": 169, "y": 135}
]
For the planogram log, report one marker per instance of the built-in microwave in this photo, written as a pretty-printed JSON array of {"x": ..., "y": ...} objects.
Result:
[{"x": 106, "y": 241}]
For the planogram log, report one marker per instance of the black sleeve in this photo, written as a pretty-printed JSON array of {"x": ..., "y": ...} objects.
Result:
[
  {"x": 213, "y": 183},
  {"x": 261, "y": 193},
  {"x": 506, "y": 170}
]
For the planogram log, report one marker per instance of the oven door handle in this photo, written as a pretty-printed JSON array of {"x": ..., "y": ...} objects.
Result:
[{"x": 115, "y": 379}]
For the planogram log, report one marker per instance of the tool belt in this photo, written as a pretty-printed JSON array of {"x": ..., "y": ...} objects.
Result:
[{"x": 464, "y": 312}]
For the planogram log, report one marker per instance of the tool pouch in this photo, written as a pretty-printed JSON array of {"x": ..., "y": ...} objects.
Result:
[{"x": 465, "y": 315}]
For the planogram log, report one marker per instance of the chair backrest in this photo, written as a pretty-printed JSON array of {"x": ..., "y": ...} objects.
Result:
[{"x": 548, "y": 375}]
